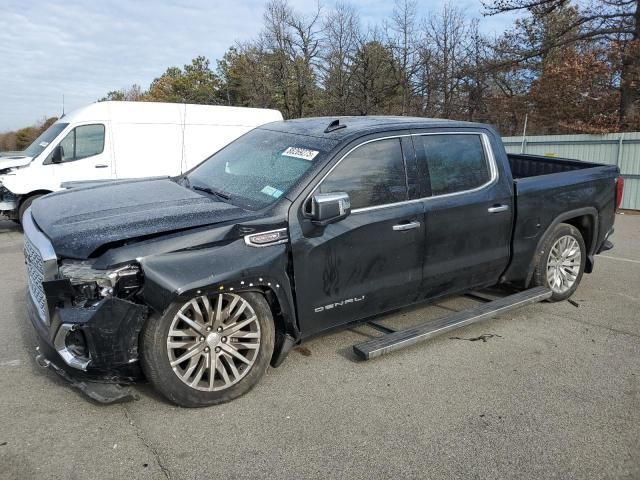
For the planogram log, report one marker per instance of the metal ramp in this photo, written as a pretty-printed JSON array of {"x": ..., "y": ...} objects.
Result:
[{"x": 395, "y": 340}]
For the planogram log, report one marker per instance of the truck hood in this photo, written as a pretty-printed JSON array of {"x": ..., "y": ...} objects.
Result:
[
  {"x": 14, "y": 161},
  {"x": 80, "y": 221}
]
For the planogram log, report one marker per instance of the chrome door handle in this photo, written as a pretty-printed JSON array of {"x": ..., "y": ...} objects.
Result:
[
  {"x": 101, "y": 165},
  {"x": 406, "y": 226},
  {"x": 498, "y": 208}
]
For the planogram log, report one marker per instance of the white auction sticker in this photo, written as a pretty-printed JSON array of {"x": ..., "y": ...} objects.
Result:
[
  {"x": 272, "y": 192},
  {"x": 298, "y": 152}
]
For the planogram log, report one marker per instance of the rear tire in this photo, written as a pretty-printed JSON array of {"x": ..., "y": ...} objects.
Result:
[
  {"x": 210, "y": 349},
  {"x": 561, "y": 262},
  {"x": 26, "y": 203}
]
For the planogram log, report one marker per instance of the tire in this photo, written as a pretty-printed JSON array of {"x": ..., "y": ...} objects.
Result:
[
  {"x": 561, "y": 262},
  {"x": 26, "y": 203},
  {"x": 172, "y": 367}
]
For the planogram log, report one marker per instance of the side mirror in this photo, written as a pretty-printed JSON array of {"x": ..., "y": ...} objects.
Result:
[
  {"x": 328, "y": 208},
  {"x": 57, "y": 154}
]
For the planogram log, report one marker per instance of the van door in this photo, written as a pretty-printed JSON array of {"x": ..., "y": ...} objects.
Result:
[
  {"x": 85, "y": 155},
  {"x": 371, "y": 261},
  {"x": 146, "y": 149}
]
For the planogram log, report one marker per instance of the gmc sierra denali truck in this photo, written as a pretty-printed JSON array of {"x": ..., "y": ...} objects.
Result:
[{"x": 199, "y": 282}]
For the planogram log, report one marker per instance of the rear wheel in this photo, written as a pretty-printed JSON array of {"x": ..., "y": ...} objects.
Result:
[
  {"x": 562, "y": 261},
  {"x": 209, "y": 349}
]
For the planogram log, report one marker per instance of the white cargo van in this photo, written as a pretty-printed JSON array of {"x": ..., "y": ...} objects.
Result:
[{"x": 118, "y": 140}]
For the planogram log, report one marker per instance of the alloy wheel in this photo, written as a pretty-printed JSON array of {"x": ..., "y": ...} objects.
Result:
[
  {"x": 563, "y": 264},
  {"x": 213, "y": 341}
]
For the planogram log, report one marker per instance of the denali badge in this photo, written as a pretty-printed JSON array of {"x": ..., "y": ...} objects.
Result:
[{"x": 338, "y": 304}]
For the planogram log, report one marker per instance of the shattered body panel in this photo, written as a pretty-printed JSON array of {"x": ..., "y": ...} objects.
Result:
[{"x": 111, "y": 329}]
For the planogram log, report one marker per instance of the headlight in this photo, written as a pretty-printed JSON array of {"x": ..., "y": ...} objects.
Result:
[
  {"x": 6, "y": 194},
  {"x": 121, "y": 282}
]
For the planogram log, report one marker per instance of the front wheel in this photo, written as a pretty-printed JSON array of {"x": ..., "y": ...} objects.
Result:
[
  {"x": 209, "y": 349},
  {"x": 561, "y": 263},
  {"x": 26, "y": 203}
]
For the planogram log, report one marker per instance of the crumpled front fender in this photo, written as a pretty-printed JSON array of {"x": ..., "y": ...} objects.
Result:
[{"x": 222, "y": 268}]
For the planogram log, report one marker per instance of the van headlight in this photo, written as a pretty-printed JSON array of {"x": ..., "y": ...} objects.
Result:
[{"x": 91, "y": 283}]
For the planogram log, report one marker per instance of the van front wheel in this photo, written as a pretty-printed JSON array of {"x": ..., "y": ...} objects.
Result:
[
  {"x": 26, "y": 203},
  {"x": 209, "y": 349}
]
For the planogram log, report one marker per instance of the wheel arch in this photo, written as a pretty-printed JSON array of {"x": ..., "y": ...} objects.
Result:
[
  {"x": 182, "y": 275},
  {"x": 586, "y": 221},
  {"x": 24, "y": 197}
]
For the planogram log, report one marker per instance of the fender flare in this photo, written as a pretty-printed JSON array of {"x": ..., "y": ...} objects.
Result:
[{"x": 580, "y": 212}]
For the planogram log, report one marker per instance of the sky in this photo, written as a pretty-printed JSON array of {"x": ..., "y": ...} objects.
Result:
[{"x": 84, "y": 49}]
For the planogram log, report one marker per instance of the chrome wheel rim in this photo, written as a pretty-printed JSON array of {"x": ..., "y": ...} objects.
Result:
[
  {"x": 563, "y": 264},
  {"x": 213, "y": 341}
]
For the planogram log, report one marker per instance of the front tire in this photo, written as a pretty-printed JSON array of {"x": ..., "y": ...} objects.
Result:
[
  {"x": 26, "y": 203},
  {"x": 561, "y": 263},
  {"x": 210, "y": 349}
]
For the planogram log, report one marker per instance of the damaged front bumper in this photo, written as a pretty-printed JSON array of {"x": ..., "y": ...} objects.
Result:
[
  {"x": 91, "y": 345},
  {"x": 8, "y": 203},
  {"x": 94, "y": 348}
]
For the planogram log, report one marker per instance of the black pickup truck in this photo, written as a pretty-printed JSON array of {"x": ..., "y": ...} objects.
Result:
[{"x": 199, "y": 282}]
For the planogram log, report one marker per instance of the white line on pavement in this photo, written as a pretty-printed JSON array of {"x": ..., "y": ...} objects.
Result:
[{"x": 620, "y": 258}]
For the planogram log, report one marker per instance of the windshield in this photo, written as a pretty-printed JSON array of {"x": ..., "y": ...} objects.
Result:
[
  {"x": 40, "y": 143},
  {"x": 259, "y": 167}
]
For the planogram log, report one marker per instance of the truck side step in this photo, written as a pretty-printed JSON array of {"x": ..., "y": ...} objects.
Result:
[{"x": 403, "y": 338}]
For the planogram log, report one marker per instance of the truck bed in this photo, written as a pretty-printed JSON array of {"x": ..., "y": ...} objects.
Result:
[
  {"x": 523, "y": 166},
  {"x": 550, "y": 188}
]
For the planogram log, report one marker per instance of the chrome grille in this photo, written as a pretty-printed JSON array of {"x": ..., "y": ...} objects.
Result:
[
  {"x": 42, "y": 264},
  {"x": 35, "y": 277}
]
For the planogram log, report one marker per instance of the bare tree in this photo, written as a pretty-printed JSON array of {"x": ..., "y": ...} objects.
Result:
[
  {"x": 340, "y": 39},
  {"x": 475, "y": 76},
  {"x": 403, "y": 43},
  {"x": 446, "y": 36},
  {"x": 291, "y": 42},
  {"x": 613, "y": 22},
  {"x": 305, "y": 52}
]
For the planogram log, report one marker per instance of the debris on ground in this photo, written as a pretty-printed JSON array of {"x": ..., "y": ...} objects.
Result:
[
  {"x": 304, "y": 351},
  {"x": 484, "y": 337}
]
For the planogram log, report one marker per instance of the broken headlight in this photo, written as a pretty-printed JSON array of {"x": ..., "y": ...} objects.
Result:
[{"x": 90, "y": 283}]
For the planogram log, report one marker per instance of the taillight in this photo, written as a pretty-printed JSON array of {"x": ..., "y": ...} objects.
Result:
[{"x": 619, "y": 191}]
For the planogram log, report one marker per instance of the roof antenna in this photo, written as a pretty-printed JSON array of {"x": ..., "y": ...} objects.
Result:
[{"x": 334, "y": 125}]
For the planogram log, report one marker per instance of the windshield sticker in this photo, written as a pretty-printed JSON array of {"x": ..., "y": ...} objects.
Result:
[
  {"x": 272, "y": 192},
  {"x": 302, "y": 153},
  {"x": 43, "y": 144}
]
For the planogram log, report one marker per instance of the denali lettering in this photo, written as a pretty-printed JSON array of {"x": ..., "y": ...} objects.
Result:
[{"x": 338, "y": 304}]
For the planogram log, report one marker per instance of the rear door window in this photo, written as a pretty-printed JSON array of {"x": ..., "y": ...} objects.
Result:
[
  {"x": 455, "y": 162},
  {"x": 373, "y": 174}
]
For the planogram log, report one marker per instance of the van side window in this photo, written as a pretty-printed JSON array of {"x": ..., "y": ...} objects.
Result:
[
  {"x": 455, "y": 162},
  {"x": 372, "y": 174},
  {"x": 82, "y": 142}
]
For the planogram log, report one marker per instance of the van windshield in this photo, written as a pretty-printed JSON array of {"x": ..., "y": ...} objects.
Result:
[
  {"x": 48, "y": 136},
  {"x": 259, "y": 167}
]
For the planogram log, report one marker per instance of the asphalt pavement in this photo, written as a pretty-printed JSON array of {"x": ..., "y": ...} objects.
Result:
[{"x": 553, "y": 391}]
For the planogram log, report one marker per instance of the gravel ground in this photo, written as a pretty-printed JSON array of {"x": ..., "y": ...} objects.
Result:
[{"x": 555, "y": 393}]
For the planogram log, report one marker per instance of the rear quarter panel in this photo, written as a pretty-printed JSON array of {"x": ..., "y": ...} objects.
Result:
[{"x": 544, "y": 201}]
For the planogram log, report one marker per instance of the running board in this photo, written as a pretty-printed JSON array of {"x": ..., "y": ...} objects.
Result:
[{"x": 403, "y": 338}]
